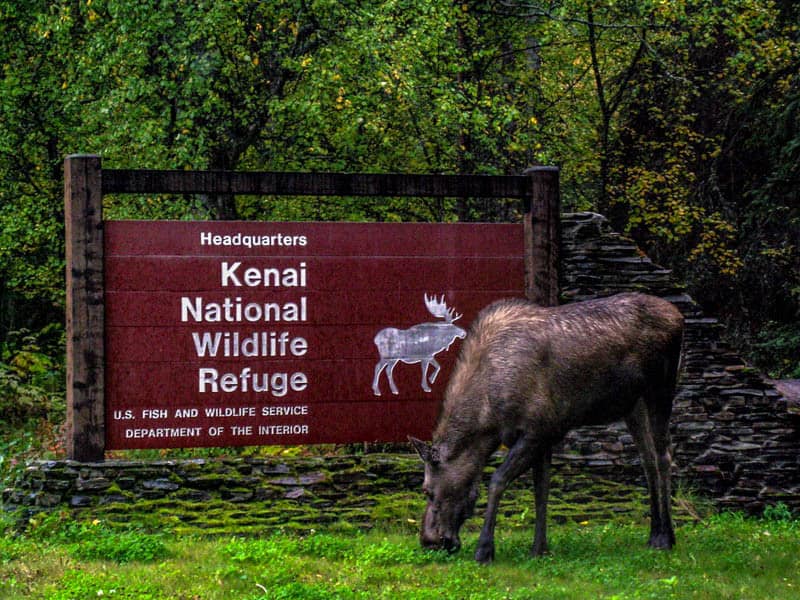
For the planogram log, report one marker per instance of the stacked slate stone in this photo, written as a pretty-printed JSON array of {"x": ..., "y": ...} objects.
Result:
[
  {"x": 735, "y": 438},
  {"x": 219, "y": 495}
]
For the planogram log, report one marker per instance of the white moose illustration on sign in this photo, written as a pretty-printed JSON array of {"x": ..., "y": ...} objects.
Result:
[{"x": 417, "y": 344}]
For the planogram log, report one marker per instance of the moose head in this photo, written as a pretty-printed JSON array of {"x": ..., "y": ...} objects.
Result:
[{"x": 451, "y": 489}]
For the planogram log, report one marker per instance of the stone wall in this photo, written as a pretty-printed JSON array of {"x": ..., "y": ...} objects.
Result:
[
  {"x": 735, "y": 438},
  {"x": 221, "y": 495},
  {"x": 300, "y": 493}
]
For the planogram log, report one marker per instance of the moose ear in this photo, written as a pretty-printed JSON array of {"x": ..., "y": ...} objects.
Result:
[{"x": 425, "y": 450}]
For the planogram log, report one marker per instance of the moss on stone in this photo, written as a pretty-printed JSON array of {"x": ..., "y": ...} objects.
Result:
[{"x": 219, "y": 498}]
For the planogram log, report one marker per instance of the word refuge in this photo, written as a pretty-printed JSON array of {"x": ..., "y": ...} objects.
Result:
[{"x": 235, "y": 310}]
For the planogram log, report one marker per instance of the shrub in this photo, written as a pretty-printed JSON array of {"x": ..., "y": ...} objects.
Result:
[
  {"x": 777, "y": 349},
  {"x": 31, "y": 381}
]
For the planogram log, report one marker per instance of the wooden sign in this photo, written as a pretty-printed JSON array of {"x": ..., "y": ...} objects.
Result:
[
  {"x": 214, "y": 334},
  {"x": 242, "y": 333}
]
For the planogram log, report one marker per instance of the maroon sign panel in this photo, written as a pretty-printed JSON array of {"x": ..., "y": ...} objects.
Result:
[{"x": 244, "y": 333}]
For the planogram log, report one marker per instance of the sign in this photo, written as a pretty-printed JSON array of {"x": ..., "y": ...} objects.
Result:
[
  {"x": 250, "y": 333},
  {"x": 286, "y": 310}
]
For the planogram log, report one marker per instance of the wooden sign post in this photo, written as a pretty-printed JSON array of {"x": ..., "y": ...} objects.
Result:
[
  {"x": 187, "y": 334},
  {"x": 83, "y": 222}
]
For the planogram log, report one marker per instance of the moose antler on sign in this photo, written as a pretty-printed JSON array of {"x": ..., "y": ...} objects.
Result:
[{"x": 438, "y": 308}]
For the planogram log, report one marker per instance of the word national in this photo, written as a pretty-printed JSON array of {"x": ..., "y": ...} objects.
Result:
[{"x": 235, "y": 310}]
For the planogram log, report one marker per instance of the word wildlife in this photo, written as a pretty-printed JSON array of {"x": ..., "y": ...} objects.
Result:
[{"x": 255, "y": 344}]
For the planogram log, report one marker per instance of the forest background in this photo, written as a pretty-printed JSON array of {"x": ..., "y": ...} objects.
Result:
[{"x": 678, "y": 120}]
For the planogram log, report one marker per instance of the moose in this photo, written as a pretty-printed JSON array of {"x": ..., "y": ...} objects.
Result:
[
  {"x": 525, "y": 376},
  {"x": 417, "y": 344}
]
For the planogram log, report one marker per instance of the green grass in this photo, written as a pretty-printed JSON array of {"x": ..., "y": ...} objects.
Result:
[{"x": 723, "y": 556}]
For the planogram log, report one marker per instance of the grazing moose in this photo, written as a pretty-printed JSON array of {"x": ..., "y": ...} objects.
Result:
[
  {"x": 417, "y": 344},
  {"x": 526, "y": 375}
]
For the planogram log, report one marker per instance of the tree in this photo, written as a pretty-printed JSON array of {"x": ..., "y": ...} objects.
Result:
[
  {"x": 197, "y": 84},
  {"x": 35, "y": 124},
  {"x": 679, "y": 120}
]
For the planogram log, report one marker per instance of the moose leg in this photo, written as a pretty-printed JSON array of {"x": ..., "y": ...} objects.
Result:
[
  {"x": 518, "y": 460},
  {"x": 659, "y": 419},
  {"x": 379, "y": 367},
  {"x": 641, "y": 429},
  {"x": 541, "y": 491},
  {"x": 425, "y": 386},
  {"x": 389, "y": 369},
  {"x": 436, "y": 368}
]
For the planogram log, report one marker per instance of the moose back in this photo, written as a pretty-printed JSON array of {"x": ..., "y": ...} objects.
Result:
[{"x": 525, "y": 376}]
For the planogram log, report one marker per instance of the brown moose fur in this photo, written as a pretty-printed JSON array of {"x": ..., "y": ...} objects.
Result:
[{"x": 525, "y": 376}]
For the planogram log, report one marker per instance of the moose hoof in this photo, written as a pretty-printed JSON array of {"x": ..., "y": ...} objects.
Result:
[{"x": 484, "y": 554}]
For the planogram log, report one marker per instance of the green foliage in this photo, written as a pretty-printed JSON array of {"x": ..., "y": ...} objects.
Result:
[
  {"x": 96, "y": 540},
  {"x": 681, "y": 121},
  {"x": 10, "y": 549},
  {"x": 22, "y": 441},
  {"x": 780, "y": 513},
  {"x": 31, "y": 398},
  {"x": 707, "y": 155},
  {"x": 19, "y": 399},
  {"x": 34, "y": 120},
  {"x": 274, "y": 548},
  {"x": 356, "y": 549},
  {"x": 777, "y": 349},
  {"x": 724, "y": 556},
  {"x": 77, "y": 583},
  {"x": 119, "y": 547},
  {"x": 683, "y": 129}
]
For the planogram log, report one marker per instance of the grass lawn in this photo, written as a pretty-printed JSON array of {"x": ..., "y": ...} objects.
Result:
[{"x": 722, "y": 556}]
